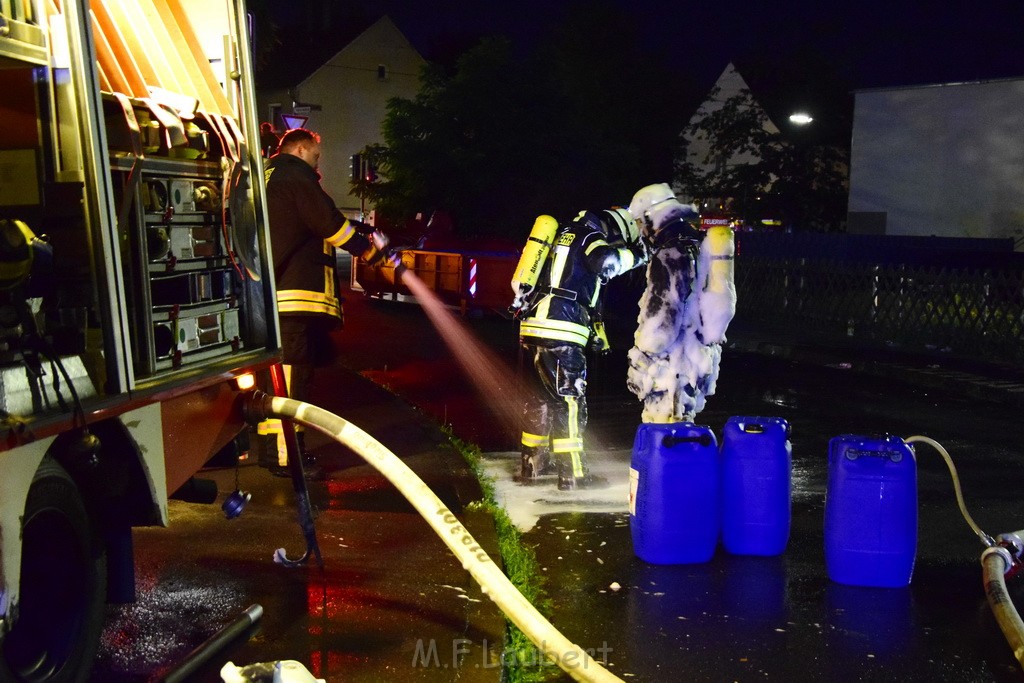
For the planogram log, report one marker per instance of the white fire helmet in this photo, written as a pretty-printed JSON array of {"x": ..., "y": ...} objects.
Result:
[
  {"x": 654, "y": 204},
  {"x": 620, "y": 225}
]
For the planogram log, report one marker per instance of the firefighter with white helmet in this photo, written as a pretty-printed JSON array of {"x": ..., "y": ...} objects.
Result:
[
  {"x": 688, "y": 303},
  {"x": 559, "y": 300}
]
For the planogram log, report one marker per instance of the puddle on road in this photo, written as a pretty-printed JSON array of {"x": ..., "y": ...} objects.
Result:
[
  {"x": 525, "y": 504},
  {"x": 808, "y": 480},
  {"x": 165, "y": 622}
]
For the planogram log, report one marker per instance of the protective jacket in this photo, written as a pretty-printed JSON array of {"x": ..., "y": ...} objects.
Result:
[
  {"x": 582, "y": 261},
  {"x": 306, "y": 227}
]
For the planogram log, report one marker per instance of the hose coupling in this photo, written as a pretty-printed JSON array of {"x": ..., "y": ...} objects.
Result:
[
  {"x": 1013, "y": 543},
  {"x": 1003, "y": 553},
  {"x": 256, "y": 407}
]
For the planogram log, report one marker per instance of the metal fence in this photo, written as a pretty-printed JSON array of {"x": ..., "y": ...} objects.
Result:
[{"x": 964, "y": 310}]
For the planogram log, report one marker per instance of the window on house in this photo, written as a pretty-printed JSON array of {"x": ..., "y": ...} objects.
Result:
[
  {"x": 382, "y": 72},
  {"x": 720, "y": 163}
]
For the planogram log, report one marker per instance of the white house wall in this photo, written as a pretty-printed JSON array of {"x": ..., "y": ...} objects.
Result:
[
  {"x": 353, "y": 100},
  {"x": 941, "y": 160}
]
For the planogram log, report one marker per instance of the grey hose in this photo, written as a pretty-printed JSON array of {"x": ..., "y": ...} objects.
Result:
[{"x": 982, "y": 536}]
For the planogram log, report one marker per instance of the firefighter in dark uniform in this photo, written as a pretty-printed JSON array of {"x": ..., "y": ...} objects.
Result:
[
  {"x": 586, "y": 253},
  {"x": 305, "y": 229}
]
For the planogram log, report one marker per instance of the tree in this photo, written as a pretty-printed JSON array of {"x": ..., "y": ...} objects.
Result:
[
  {"x": 748, "y": 165},
  {"x": 498, "y": 139},
  {"x": 462, "y": 144}
]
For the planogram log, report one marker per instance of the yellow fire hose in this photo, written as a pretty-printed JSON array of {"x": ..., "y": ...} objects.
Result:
[{"x": 571, "y": 658}]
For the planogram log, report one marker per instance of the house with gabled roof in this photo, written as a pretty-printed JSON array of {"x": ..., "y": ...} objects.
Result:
[
  {"x": 729, "y": 84},
  {"x": 343, "y": 97},
  {"x": 760, "y": 202}
]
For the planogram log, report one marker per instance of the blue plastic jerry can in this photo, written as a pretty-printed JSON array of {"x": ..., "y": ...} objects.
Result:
[
  {"x": 674, "y": 493},
  {"x": 871, "y": 511},
  {"x": 757, "y": 460}
]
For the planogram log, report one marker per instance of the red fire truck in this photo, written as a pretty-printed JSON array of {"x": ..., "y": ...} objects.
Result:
[{"x": 135, "y": 294}]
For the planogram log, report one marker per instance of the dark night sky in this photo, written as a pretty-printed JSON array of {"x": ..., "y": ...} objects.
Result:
[
  {"x": 793, "y": 53},
  {"x": 870, "y": 42}
]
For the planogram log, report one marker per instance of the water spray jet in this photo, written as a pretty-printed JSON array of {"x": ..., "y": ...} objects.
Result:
[{"x": 492, "y": 379}]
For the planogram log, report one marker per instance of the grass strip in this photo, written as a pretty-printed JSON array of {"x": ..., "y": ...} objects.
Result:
[{"x": 521, "y": 659}]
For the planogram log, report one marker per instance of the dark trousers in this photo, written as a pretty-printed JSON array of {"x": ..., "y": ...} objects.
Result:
[
  {"x": 555, "y": 410},
  {"x": 305, "y": 346}
]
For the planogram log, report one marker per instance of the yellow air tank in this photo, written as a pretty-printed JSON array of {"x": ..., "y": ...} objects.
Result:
[
  {"x": 717, "y": 295},
  {"x": 721, "y": 247},
  {"x": 535, "y": 253}
]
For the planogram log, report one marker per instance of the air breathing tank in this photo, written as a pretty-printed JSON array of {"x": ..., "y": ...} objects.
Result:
[
  {"x": 19, "y": 251},
  {"x": 720, "y": 244},
  {"x": 717, "y": 295},
  {"x": 535, "y": 253}
]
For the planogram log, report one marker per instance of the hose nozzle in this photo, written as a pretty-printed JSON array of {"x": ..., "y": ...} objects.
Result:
[
  {"x": 1014, "y": 545},
  {"x": 394, "y": 257},
  {"x": 1013, "y": 539}
]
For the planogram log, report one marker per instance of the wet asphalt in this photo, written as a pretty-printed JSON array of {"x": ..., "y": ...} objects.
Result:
[
  {"x": 390, "y": 591},
  {"x": 739, "y": 618}
]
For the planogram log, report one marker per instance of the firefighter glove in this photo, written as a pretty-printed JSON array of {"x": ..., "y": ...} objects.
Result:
[
  {"x": 599, "y": 339},
  {"x": 378, "y": 249}
]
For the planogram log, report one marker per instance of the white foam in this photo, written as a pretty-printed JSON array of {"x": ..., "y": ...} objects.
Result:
[{"x": 524, "y": 504}]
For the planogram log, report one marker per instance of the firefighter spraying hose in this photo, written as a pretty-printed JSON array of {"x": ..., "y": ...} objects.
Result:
[{"x": 571, "y": 658}]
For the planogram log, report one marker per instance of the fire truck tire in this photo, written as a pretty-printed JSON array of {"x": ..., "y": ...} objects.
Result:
[{"x": 63, "y": 586}]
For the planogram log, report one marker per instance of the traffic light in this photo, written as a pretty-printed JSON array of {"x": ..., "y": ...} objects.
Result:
[
  {"x": 371, "y": 172},
  {"x": 357, "y": 167}
]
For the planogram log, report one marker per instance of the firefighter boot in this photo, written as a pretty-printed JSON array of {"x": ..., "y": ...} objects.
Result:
[
  {"x": 534, "y": 463},
  {"x": 571, "y": 479}
]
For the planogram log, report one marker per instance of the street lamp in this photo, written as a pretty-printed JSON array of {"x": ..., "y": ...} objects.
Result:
[{"x": 800, "y": 118}]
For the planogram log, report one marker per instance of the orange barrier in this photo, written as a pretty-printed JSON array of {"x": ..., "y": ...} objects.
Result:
[{"x": 469, "y": 280}]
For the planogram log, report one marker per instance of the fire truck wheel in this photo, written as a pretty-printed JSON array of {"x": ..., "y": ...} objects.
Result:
[{"x": 63, "y": 586}]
